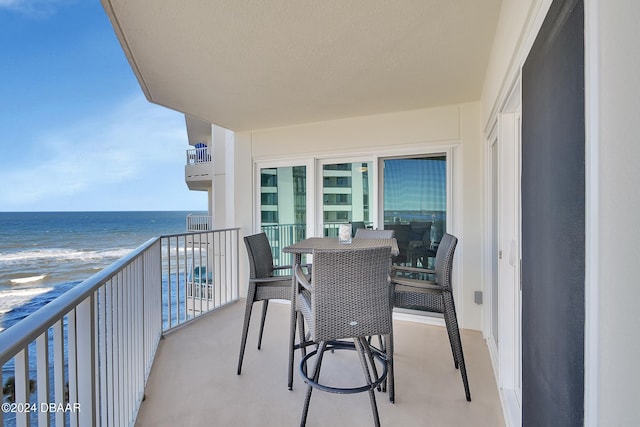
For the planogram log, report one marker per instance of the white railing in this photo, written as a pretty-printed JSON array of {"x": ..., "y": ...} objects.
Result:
[
  {"x": 199, "y": 222},
  {"x": 201, "y": 274},
  {"x": 84, "y": 358},
  {"x": 282, "y": 235},
  {"x": 198, "y": 155}
]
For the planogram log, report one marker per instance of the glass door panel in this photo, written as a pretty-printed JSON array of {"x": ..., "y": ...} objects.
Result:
[
  {"x": 283, "y": 208},
  {"x": 346, "y": 196},
  {"x": 415, "y": 206}
]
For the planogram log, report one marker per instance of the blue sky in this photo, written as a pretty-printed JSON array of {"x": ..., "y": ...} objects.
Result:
[{"x": 76, "y": 132}]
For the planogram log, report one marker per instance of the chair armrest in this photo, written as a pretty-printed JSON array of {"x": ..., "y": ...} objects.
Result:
[
  {"x": 301, "y": 278},
  {"x": 270, "y": 279},
  {"x": 415, "y": 285},
  {"x": 290, "y": 267},
  {"x": 412, "y": 270}
]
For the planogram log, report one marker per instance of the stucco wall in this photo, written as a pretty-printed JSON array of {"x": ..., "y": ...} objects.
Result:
[
  {"x": 359, "y": 134},
  {"x": 613, "y": 106},
  {"x": 516, "y": 30},
  {"x": 613, "y": 194}
]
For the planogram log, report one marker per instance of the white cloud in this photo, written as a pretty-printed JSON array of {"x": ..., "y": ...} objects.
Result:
[
  {"x": 33, "y": 7},
  {"x": 136, "y": 151}
]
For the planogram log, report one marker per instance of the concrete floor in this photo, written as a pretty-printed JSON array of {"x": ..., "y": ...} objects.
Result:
[{"x": 194, "y": 382}]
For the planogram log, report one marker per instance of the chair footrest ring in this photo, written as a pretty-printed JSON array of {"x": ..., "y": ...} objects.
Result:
[{"x": 341, "y": 345}]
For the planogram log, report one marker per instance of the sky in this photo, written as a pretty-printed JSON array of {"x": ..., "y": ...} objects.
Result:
[{"x": 76, "y": 132}]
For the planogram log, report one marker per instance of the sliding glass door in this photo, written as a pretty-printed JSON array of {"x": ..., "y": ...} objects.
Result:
[
  {"x": 415, "y": 205},
  {"x": 347, "y": 190},
  {"x": 283, "y": 208}
]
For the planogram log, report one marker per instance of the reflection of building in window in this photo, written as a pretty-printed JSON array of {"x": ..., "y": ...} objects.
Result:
[
  {"x": 415, "y": 206},
  {"x": 283, "y": 206},
  {"x": 415, "y": 190},
  {"x": 283, "y": 196},
  {"x": 346, "y": 193}
]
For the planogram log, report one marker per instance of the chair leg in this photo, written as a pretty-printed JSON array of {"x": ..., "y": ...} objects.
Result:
[
  {"x": 367, "y": 349},
  {"x": 245, "y": 325},
  {"x": 316, "y": 375},
  {"x": 265, "y": 305},
  {"x": 360, "y": 344},
  {"x": 452, "y": 341},
  {"x": 390, "y": 373},
  {"x": 296, "y": 318},
  {"x": 292, "y": 343},
  {"x": 456, "y": 343}
]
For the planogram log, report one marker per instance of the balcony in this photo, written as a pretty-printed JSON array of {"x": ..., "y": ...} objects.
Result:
[
  {"x": 198, "y": 171},
  {"x": 199, "y": 222},
  {"x": 153, "y": 340},
  {"x": 93, "y": 347},
  {"x": 194, "y": 380}
]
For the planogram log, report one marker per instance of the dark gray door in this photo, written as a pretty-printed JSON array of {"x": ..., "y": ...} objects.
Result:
[{"x": 553, "y": 221}]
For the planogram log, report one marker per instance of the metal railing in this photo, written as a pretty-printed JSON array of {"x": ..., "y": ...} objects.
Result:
[
  {"x": 282, "y": 235},
  {"x": 199, "y": 222},
  {"x": 84, "y": 358},
  {"x": 200, "y": 274},
  {"x": 198, "y": 155}
]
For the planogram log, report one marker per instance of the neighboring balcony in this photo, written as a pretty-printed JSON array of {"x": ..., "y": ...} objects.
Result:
[
  {"x": 198, "y": 171},
  {"x": 199, "y": 222}
]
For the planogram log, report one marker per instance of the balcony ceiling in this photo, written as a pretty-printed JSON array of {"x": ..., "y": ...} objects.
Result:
[{"x": 250, "y": 65}]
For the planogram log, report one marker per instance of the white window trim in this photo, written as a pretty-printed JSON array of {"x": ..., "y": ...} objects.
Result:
[{"x": 452, "y": 149}]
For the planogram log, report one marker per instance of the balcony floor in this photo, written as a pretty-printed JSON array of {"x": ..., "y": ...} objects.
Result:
[{"x": 193, "y": 381}]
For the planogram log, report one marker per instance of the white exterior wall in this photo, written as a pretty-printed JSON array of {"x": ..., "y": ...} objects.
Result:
[
  {"x": 412, "y": 132},
  {"x": 612, "y": 193},
  {"x": 613, "y": 196},
  {"x": 518, "y": 24}
]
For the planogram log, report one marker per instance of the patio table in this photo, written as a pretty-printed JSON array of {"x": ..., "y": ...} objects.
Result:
[{"x": 307, "y": 246}]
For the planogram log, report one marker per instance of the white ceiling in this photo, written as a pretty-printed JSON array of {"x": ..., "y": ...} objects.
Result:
[{"x": 246, "y": 64}]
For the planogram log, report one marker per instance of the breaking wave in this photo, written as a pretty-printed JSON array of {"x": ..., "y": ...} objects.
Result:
[
  {"x": 23, "y": 280},
  {"x": 36, "y": 255}
]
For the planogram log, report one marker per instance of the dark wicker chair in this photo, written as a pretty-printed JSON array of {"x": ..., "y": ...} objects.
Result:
[
  {"x": 357, "y": 225},
  {"x": 436, "y": 296},
  {"x": 349, "y": 297},
  {"x": 263, "y": 284},
  {"x": 365, "y": 233}
]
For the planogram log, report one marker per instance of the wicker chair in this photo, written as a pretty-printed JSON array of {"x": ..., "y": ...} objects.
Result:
[
  {"x": 263, "y": 285},
  {"x": 435, "y": 296},
  {"x": 365, "y": 233},
  {"x": 348, "y": 297}
]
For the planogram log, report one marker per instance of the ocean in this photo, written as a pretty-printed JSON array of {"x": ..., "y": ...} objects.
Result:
[{"x": 44, "y": 254}]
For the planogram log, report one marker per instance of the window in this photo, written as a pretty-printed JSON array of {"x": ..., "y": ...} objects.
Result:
[
  {"x": 415, "y": 205},
  {"x": 283, "y": 208},
  {"x": 346, "y": 195}
]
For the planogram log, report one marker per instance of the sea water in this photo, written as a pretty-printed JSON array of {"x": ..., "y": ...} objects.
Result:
[{"x": 44, "y": 254}]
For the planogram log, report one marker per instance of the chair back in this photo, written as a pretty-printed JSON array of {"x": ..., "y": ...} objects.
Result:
[
  {"x": 444, "y": 260},
  {"x": 350, "y": 294},
  {"x": 260, "y": 256},
  {"x": 364, "y": 233},
  {"x": 355, "y": 226}
]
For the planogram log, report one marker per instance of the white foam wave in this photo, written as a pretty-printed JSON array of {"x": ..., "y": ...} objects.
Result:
[
  {"x": 62, "y": 255},
  {"x": 10, "y": 299},
  {"x": 30, "y": 279}
]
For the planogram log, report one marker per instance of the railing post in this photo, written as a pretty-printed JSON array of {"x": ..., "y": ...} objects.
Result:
[
  {"x": 85, "y": 325},
  {"x": 21, "y": 386},
  {"x": 42, "y": 363}
]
